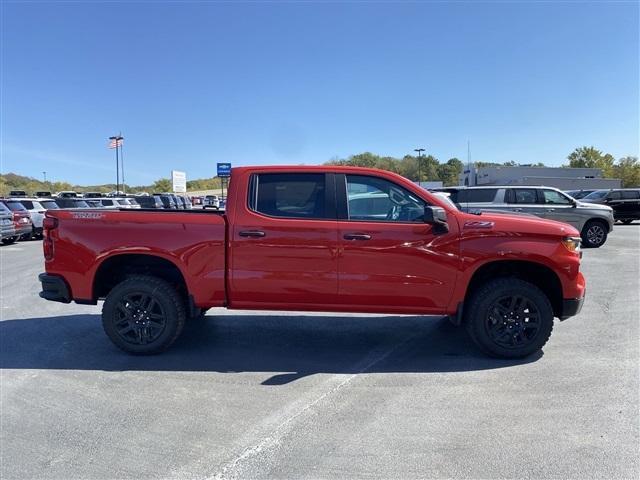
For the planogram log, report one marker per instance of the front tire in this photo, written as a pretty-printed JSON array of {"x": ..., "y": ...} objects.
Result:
[
  {"x": 594, "y": 234},
  {"x": 626, "y": 222},
  {"x": 509, "y": 318},
  {"x": 143, "y": 315},
  {"x": 9, "y": 241}
]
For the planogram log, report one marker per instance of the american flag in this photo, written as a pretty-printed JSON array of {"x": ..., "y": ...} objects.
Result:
[{"x": 115, "y": 142}]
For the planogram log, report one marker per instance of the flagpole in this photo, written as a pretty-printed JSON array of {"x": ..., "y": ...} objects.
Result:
[
  {"x": 117, "y": 170},
  {"x": 121, "y": 138}
]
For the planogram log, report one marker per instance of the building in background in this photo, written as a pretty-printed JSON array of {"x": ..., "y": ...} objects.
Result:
[{"x": 558, "y": 177}]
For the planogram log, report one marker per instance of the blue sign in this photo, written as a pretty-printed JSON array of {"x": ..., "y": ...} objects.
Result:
[{"x": 224, "y": 169}]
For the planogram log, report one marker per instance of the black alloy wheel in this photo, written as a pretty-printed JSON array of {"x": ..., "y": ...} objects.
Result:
[{"x": 512, "y": 321}]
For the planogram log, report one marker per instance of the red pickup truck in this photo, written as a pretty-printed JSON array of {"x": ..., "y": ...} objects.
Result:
[{"x": 338, "y": 239}]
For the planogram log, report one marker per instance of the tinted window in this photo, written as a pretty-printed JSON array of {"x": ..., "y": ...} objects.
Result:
[
  {"x": 480, "y": 195},
  {"x": 377, "y": 199},
  {"x": 614, "y": 196},
  {"x": 523, "y": 195},
  {"x": 27, "y": 204},
  {"x": 107, "y": 203},
  {"x": 16, "y": 206},
  {"x": 294, "y": 195},
  {"x": 49, "y": 204},
  {"x": 555, "y": 198},
  {"x": 630, "y": 194}
]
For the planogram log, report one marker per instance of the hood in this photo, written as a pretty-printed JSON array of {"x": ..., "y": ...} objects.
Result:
[
  {"x": 515, "y": 223},
  {"x": 593, "y": 206}
]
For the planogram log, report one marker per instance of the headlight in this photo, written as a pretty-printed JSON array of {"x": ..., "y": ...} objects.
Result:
[{"x": 572, "y": 243}]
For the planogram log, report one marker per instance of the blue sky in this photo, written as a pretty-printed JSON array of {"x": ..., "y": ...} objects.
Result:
[{"x": 190, "y": 84}]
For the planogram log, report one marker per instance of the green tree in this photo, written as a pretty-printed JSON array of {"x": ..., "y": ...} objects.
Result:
[
  {"x": 628, "y": 170},
  {"x": 448, "y": 172},
  {"x": 162, "y": 185},
  {"x": 591, "y": 157}
]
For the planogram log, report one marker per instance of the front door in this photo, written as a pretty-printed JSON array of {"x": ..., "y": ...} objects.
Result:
[
  {"x": 557, "y": 206},
  {"x": 284, "y": 243},
  {"x": 390, "y": 260}
]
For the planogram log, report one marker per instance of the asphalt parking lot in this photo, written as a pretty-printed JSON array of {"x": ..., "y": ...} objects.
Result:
[{"x": 256, "y": 394}]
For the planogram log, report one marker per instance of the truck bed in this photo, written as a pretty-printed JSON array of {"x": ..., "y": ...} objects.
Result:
[{"x": 193, "y": 241}]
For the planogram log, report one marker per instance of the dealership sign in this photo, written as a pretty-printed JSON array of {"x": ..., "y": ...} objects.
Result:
[
  {"x": 179, "y": 181},
  {"x": 224, "y": 169}
]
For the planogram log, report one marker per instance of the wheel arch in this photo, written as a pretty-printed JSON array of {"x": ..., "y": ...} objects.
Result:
[
  {"x": 530, "y": 271},
  {"x": 115, "y": 268}
]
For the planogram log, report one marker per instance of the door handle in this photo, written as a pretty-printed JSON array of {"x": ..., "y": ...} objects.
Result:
[
  {"x": 357, "y": 236},
  {"x": 516, "y": 209},
  {"x": 252, "y": 233}
]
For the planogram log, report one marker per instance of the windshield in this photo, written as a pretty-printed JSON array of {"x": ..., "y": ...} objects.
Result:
[{"x": 598, "y": 194}]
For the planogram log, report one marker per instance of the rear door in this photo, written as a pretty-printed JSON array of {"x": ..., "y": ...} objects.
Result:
[
  {"x": 630, "y": 207},
  {"x": 614, "y": 200},
  {"x": 390, "y": 260},
  {"x": 284, "y": 242},
  {"x": 524, "y": 200}
]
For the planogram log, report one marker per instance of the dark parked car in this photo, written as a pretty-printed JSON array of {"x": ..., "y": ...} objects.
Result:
[
  {"x": 624, "y": 201},
  {"x": 167, "y": 200},
  {"x": 151, "y": 201},
  {"x": 70, "y": 202}
]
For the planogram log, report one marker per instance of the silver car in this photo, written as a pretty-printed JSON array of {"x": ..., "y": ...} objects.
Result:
[
  {"x": 593, "y": 221},
  {"x": 7, "y": 229}
]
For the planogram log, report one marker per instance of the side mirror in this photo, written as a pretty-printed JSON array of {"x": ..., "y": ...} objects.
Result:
[{"x": 436, "y": 216}]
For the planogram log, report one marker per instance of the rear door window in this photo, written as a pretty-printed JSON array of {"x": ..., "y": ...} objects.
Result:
[
  {"x": 480, "y": 195},
  {"x": 522, "y": 196},
  {"x": 27, "y": 204},
  {"x": 290, "y": 195},
  {"x": 630, "y": 194}
]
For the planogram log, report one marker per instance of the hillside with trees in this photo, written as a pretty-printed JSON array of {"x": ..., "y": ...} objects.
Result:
[{"x": 427, "y": 168}]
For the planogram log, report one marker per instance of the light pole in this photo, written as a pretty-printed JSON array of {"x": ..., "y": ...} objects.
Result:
[
  {"x": 44, "y": 174},
  {"x": 419, "y": 150}
]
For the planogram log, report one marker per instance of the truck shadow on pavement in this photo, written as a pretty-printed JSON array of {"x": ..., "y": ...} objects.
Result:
[{"x": 289, "y": 346}]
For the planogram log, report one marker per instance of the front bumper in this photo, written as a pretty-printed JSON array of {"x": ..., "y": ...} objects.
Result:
[
  {"x": 571, "y": 307},
  {"x": 54, "y": 288}
]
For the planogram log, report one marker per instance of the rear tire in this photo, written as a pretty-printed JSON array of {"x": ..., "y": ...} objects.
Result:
[
  {"x": 143, "y": 315},
  {"x": 594, "y": 234},
  {"x": 626, "y": 222},
  {"x": 9, "y": 241},
  {"x": 509, "y": 318}
]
